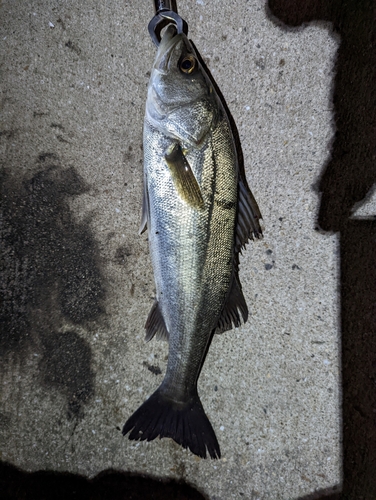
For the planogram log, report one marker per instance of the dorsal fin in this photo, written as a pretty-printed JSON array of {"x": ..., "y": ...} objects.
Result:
[
  {"x": 248, "y": 225},
  {"x": 234, "y": 304},
  {"x": 155, "y": 324}
]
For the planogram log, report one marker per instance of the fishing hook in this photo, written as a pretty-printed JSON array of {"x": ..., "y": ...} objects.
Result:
[{"x": 166, "y": 12}]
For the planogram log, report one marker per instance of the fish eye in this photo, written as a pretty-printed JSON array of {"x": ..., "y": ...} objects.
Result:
[{"x": 187, "y": 64}]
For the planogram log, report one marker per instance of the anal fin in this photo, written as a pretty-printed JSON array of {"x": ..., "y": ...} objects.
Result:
[
  {"x": 234, "y": 304},
  {"x": 155, "y": 324}
]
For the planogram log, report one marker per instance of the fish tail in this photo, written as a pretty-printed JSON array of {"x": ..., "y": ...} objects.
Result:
[{"x": 186, "y": 423}]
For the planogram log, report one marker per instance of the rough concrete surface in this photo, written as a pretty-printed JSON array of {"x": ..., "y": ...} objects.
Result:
[{"x": 78, "y": 278}]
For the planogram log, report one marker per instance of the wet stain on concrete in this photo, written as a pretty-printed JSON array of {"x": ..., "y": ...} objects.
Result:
[
  {"x": 152, "y": 368},
  {"x": 61, "y": 22},
  {"x": 66, "y": 366},
  {"x": 121, "y": 255},
  {"x": 51, "y": 276},
  {"x": 38, "y": 114},
  {"x": 73, "y": 46},
  {"x": 58, "y": 126},
  {"x": 60, "y": 138},
  {"x": 48, "y": 156},
  {"x": 5, "y": 422},
  {"x": 7, "y": 134}
]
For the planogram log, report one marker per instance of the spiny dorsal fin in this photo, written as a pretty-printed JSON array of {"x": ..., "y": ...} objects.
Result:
[
  {"x": 183, "y": 178},
  {"x": 248, "y": 225},
  {"x": 235, "y": 302},
  {"x": 155, "y": 324}
]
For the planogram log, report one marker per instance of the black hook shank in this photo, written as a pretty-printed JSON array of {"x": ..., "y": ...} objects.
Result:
[{"x": 166, "y": 13}]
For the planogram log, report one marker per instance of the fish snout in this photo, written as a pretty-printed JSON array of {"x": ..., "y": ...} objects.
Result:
[{"x": 166, "y": 48}]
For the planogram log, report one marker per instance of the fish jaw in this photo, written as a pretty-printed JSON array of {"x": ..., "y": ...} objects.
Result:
[{"x": 169, "y": 43}]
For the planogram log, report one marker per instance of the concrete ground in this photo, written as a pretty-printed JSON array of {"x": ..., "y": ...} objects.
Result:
[{"x": 78, "y": 278}]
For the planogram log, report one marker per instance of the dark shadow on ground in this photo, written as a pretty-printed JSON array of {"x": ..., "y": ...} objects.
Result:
[
  {"x": 16, "y": 484},
  {"x": 346, "y": 179},
  {"x": 50, "y": 274}
]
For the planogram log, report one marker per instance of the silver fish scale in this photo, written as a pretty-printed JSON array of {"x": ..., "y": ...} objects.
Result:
[{"x": 192, "y": 250}]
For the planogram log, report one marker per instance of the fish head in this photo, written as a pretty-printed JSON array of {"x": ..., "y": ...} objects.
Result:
[{"x": 181, "y": 100}]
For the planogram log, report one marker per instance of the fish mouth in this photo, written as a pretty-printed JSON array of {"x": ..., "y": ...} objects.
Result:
[
  {"x": 159, "y": 107},
  {"x": 169, "y": 40},
  {"x": 161, "y": 67}
]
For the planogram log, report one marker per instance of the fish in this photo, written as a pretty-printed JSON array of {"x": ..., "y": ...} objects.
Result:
[{"x": 199, "y": 213}]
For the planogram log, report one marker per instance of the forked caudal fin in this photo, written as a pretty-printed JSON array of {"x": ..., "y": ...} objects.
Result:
[{"x": 185, "y": 423}]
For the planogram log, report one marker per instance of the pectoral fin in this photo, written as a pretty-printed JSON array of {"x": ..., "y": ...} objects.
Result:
[
  {"x": 183, "y": 178},
  {"x": 145, "y": 210},
  {"x": 155, "y": 324}
]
